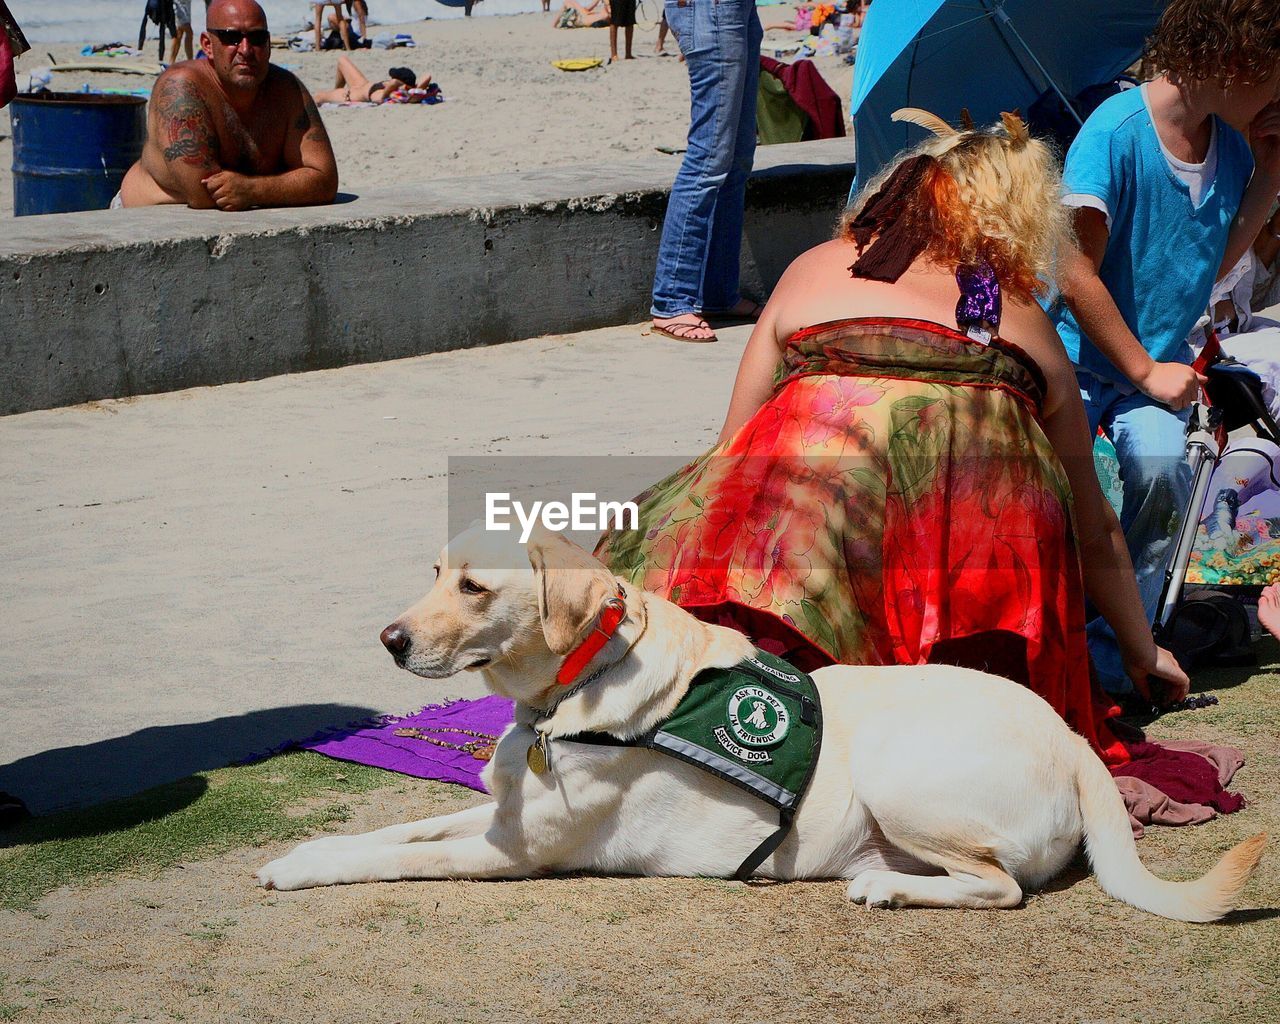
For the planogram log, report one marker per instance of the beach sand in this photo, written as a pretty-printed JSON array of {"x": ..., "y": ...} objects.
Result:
[{"x": 506, "y": 108}]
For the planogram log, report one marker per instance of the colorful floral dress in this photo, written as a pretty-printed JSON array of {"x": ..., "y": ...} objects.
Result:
[{"x": 895, "y": 502}]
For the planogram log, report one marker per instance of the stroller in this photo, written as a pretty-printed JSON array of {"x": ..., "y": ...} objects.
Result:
[{"x": 1228, "y": 547}]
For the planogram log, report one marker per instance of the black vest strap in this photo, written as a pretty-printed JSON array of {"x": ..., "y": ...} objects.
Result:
[{"x": 762, "y": 852}]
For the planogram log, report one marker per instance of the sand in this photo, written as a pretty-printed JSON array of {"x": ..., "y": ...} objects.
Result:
[
  {"x": 200, "y": 943},
  {"x": 506, "y": 109}
]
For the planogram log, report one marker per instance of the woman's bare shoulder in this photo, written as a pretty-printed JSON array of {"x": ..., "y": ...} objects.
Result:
[
  {"x": 1025, "y": 324},
  {"x": 819, "y": 262}
]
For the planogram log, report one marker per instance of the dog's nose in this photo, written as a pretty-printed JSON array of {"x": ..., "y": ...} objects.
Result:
[{"x": 395, "y": 639}]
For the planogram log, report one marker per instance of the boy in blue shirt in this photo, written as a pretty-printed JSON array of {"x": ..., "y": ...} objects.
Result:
[{"x": 1167, "y": 193}]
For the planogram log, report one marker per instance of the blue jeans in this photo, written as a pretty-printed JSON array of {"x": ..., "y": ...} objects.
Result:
[
  {"x": 702, "y": 234},
  {"x": 1151, "y": 446}
]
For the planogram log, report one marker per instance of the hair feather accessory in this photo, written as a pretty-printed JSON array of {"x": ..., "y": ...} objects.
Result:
[
  {"x": 1019, "y": 134},
  {"x": 927, "y": 121}
]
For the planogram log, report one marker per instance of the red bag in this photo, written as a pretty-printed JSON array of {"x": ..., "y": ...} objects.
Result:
[
  {"x": 12, "y": 45},
  {"x": 8, "y": 84}
]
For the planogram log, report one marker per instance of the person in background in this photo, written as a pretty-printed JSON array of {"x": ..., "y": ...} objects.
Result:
[
  {"x": 360, "y": 10},
  {"x": 622, "y": 15},
  {"x": 353, "y": 86},
  {"x": 234, "y": 131},
  {"x": 339, "y": 21},
  {"x": 1165, "y": 197},
  {"x": 182, "y": 30},
  {"x": 596, "y": 14},
  {"x": 697, "y": 272}
]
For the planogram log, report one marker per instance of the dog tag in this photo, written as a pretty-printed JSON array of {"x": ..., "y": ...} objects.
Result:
[{"x": 537, "y": 755}]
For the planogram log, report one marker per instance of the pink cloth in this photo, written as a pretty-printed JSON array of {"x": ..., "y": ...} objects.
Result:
[{"x": 1161, "y": 773}]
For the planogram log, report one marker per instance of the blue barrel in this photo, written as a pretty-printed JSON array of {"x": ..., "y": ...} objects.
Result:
[{"x": 71, "y": 150}]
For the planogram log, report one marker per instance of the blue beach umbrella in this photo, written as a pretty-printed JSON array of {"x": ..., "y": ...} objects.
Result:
[{"x": 986, "y": 55}]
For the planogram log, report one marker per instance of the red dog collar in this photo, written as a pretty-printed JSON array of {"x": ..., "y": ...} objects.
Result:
[{"x": 611, "y": 616}]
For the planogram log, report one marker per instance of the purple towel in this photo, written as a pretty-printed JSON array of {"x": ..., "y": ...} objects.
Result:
[{"x": 378, "y": 745}]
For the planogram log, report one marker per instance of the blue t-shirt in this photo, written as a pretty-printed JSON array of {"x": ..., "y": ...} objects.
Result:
[{"x": 1163, "y": 253}]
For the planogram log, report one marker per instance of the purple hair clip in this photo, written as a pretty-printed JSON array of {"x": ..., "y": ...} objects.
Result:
[{"x": 978, "y": 311}]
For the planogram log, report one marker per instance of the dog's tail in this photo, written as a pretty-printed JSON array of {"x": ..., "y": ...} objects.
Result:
[{"x": 1114, "y": 855}]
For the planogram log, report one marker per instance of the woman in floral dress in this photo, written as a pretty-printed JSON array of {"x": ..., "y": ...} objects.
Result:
[{"x": 892, "y": 490}]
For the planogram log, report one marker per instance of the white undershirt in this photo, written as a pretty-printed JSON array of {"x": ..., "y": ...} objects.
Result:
[{"x": 1197, "y": 177}]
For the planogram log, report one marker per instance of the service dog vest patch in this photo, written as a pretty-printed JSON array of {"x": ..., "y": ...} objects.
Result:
[{"x": 757, "y": 725}]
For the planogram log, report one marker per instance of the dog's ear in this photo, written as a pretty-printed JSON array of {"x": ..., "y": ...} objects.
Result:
[{"x": 572, "y": 587}]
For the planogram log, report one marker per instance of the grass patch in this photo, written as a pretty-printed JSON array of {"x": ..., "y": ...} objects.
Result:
[{"x": 200, "y": 816}]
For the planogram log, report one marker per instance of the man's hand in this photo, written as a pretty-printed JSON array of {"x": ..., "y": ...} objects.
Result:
[
  {"x": 1176, "y": 385},
  {"x": 1264, "y": 139},
  {"x": 230, "y": 191}
]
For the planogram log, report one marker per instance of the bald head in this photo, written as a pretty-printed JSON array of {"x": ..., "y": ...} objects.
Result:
[
  {"x": 238, "y": 43},
  {"x": 236, "y": 14}
]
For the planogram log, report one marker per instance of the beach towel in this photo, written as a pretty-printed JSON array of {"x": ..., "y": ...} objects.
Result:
[
  {"x": 778, "y": 119},
  {"x": 450, "y": 725}
]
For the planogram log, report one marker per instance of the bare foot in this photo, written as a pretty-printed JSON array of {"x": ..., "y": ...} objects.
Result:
[
  {"x": 1269, "y": 609},
  {"x": 686, "y": 327}
]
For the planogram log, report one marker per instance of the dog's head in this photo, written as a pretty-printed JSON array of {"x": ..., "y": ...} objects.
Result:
[{"x": 495, "y": 604}]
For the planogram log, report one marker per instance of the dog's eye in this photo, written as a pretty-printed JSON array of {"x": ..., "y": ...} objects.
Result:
[
  {"x": 469, "y": 586},
  {"x": 437, "y": 569}
]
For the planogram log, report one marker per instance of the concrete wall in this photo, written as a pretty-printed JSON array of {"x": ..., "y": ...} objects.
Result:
[{"x": 110, "y": 304}]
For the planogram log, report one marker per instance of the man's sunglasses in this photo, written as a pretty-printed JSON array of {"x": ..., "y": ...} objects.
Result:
[{"x": 233, "y": 36}]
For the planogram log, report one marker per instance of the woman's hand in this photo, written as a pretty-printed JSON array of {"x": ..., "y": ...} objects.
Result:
[{"x": 1162, "y": 667}]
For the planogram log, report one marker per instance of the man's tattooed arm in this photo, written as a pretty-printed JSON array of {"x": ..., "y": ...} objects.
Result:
[{"x": 184, "y": 126}]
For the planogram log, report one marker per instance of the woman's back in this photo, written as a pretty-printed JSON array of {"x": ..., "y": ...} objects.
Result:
[{"x": 818, "y": 289}]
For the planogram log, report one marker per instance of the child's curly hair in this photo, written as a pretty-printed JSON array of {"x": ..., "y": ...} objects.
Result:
[
  {"x": 1234, "y": 40},
  {"x": 990, "y": 195}
]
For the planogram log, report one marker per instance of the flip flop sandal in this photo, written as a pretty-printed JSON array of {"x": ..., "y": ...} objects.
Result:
[
  {"x": 682, "y": 332},
  {"x": 732, "y": 318}
]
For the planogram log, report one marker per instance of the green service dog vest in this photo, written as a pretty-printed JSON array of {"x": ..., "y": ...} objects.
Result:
[{"x": 757, "y": 725}]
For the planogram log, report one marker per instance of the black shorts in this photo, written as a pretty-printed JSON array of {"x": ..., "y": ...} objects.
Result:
[{"x": 623, "y": 13}]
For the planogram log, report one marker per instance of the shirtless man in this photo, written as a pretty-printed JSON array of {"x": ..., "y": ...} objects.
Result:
[{"x": 232, "y": 131}]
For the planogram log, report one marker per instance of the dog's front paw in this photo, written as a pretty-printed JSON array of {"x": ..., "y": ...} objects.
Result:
[
  {"x": 301, "y": 869},
  {"x": 875, "y": 889}
]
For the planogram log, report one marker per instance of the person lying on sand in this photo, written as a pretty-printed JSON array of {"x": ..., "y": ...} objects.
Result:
[
  {"x": 354, "y": 86},
  {"x": 594, "y": 15},
  {"x": 233, "y": 131}
]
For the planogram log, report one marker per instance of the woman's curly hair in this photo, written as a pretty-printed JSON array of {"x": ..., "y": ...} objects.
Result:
[
  {"x": 1234, "y": 40},
  {"x": 992, "y": 195}
]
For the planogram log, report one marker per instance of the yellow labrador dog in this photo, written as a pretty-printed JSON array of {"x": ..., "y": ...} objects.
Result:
[{"x": 935, "y": 786}]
